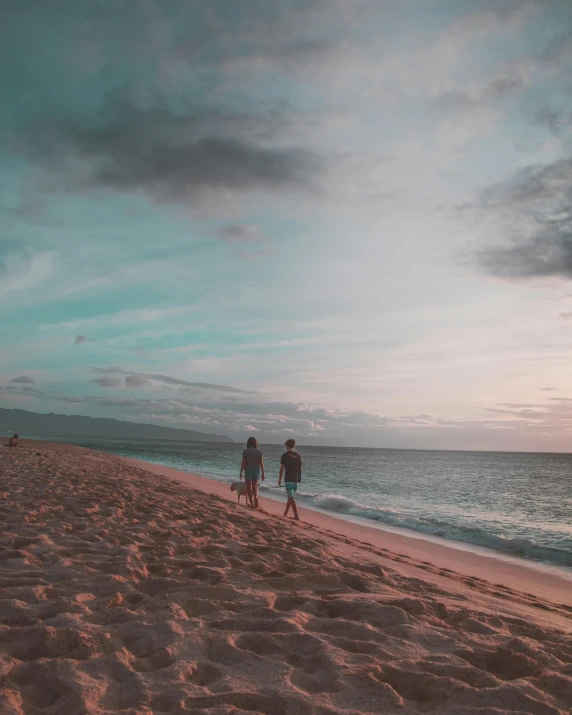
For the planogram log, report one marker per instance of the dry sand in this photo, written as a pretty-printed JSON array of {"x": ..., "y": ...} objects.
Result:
[{"x": 124, "y": 590}]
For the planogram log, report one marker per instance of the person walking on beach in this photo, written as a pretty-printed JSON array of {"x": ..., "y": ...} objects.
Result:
[
  {"x": 291, "y": 469},
  {"x": 253, "y": 468}
]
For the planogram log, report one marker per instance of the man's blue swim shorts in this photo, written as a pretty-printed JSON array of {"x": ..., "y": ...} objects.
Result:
[{"x": 291, "y": 488}]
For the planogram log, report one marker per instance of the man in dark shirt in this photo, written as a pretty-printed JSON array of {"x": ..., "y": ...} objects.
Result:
[{"x": 291, "y": 469}]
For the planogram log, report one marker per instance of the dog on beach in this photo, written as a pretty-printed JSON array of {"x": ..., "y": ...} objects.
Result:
[{"x": 240, "y": 489}]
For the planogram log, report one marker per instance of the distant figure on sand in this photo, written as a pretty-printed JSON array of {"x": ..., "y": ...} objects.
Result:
[
  {"x": 14, "y": 441},
  {"x": 291, "y": 469},
  {"x": 253, "y": 467}
]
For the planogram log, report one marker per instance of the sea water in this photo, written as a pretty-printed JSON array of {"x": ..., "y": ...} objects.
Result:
[{"x": 516, "y": 503}]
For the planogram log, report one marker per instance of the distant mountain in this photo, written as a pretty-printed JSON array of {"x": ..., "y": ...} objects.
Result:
[{"x": 51, "y": 425}]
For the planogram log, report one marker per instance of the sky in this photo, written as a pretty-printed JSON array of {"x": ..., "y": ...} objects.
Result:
[{"x": 343, "y": 221}]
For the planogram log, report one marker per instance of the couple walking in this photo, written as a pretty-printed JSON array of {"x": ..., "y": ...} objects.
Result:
[{"x": 290, "y": 468}]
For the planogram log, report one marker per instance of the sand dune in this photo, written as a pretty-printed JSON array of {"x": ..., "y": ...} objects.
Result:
[{"x": 124, "y": 591}]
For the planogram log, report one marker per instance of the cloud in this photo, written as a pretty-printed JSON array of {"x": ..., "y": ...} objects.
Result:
[
  {"x": 509, "y": 425},
  {"x": 171, "y": 158},
  {"x": 241, "y": 233},
  {"x": 272, "y": 419},
  {"x": 299, "y": 45},
  {"x": 535, "y": 209},
  {"x": 82, "y": 339},
  {"x": 23, "y": 380},
  {"x": 109, "y": 381},
  {"x": 248, "y": 233},
  {"x": 136, "y": 379},
  {"x": 20, "y": 390},
  {"x": 555, "y": 111},
  {"x": 531, "y": 210},
  {"x": 255, "y": 255}
]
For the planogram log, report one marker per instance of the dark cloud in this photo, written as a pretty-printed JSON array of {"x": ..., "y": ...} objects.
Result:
[
  {"x": 82, "y": 339},
  {"x": 544, "y": 256},
  {"x": 502, "y": 87},
  {"x": 536, "y": 210},
  {"x": 556, "y": 113},
  {"x": 241, "y": 233},
  {"x": 171, "y": 158},
  {"x": 534, "y": 207},
  {"x": 136, "y": 381},
  {"x": 109, "y": 381},
  {"x": 20, "y": 390},
  {"x": 556, "y": 117},
  {"x": 23, "y": 380},
  {"x": 523, "y": 413}
]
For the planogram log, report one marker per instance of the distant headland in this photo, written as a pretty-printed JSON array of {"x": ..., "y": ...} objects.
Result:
[{"x": 52, "y": 425}]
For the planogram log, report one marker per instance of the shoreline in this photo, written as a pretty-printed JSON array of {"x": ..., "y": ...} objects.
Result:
[{"x": 547, "y": 581}]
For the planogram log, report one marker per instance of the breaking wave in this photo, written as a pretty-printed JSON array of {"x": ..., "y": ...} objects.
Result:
[{"x": 470, "y": 534}]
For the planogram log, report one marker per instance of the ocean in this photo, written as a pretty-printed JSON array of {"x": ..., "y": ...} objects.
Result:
[{"x": 516, "y": 503}]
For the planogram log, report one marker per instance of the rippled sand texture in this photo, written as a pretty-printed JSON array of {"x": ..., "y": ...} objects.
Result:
[{"x": 123, "y": 591}]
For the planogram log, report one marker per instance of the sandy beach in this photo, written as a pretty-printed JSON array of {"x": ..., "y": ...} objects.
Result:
[{"x": 127, "y": 587}]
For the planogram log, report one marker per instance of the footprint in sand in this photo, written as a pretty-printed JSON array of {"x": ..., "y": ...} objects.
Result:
[{"x": 203, "y": 674}]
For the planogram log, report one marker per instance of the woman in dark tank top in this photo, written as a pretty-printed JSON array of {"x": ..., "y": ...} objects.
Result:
[{"x": 252, "y": 466}]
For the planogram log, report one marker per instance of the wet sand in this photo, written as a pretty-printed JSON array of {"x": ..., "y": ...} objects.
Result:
[{"x": 130, "y": 588}]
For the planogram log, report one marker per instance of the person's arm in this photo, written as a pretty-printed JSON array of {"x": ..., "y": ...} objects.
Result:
[
  {"x": 262, "y": 468},
  {"x": 280, "y": 475},
  {"x": 242, "y": 466}
]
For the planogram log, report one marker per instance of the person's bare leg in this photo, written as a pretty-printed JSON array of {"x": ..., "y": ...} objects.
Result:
[
  {"x": 292, "y": 503},
  {"x": 249, "y": 495},
  {"x": 295, "y": 510},
  {"x": 255, "y": 495}
]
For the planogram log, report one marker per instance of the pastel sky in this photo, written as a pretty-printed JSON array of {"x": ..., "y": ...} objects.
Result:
[{"x": 347, "y": 221}]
